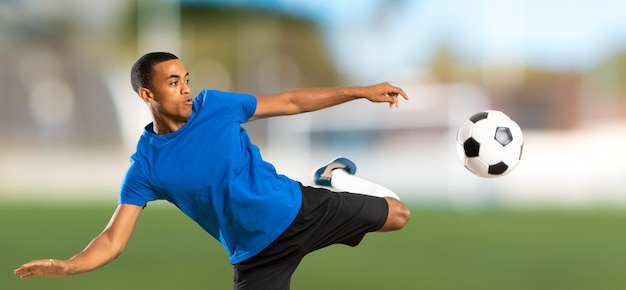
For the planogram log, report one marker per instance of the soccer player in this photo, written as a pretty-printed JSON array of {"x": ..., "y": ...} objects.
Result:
[{"x": 196, "y": 155}]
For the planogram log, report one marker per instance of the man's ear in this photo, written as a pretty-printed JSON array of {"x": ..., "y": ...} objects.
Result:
[{"x": 146, "y": 95}]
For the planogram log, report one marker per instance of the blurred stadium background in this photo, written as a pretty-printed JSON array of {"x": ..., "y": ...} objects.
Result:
[{"x": 69, "y": 118}]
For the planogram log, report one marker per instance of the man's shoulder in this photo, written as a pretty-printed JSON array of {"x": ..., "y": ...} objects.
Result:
[
  {"x": 208, "y": 95},
  {"x": 226, "y": 99}
]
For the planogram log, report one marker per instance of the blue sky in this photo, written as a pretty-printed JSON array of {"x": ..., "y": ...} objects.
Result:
[{"x": 367, "y": 36}]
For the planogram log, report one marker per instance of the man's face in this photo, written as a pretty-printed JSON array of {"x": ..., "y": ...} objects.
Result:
[{"x": 171, "y": 99}]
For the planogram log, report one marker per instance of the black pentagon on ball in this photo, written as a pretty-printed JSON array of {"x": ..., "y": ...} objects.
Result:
[
  {"x": 503, "y": 135},
  {"x": 471, "y": 147},
  {"x": 478, "y": 116},
  {"x": 497, "y": 168}
]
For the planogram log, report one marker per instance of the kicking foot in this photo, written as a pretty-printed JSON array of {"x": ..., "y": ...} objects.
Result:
[{"x": 323, "y": 175}]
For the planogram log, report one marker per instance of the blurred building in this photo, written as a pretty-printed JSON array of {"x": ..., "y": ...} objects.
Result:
[{"x": 51, "y": 88}]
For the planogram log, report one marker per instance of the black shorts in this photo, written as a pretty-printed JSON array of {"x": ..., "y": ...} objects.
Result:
[{"x": 325, "y": 218}]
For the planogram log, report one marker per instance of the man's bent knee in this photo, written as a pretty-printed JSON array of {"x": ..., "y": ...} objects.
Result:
[{"x": 397, "y": 217}]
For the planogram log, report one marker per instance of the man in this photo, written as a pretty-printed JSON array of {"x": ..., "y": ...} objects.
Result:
[{"x": 196, "y": 155}]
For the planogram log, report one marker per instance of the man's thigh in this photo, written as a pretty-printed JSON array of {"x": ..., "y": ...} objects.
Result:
[{"x": 325, "y": 218}]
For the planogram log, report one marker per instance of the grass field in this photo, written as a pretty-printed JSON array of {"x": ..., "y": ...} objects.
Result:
[{"x": 439, "y": 249}]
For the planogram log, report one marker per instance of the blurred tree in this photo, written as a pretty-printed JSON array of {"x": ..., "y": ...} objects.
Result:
[
  {"x": 250, "y": 47},
  {"x": 610, "y": 76},
  {"x": 443, "y": 64},
  {"x": 248, "y": 50}
]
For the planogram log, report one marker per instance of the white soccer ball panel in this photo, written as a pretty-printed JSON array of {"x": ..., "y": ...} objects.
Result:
[
  {"x": 491, "y": 151},
  {"x": 497, "y": 117},
  {"x": 477, "y": 166},
  {"x": 465, "y": 131},
  {"x": 484, "y": 130},
  {"x": 516, "y": 131},
  {"x": 511, "y": 156}
]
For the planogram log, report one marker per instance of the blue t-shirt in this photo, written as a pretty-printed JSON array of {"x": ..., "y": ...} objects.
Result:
[{"x": 210, "y": 169}]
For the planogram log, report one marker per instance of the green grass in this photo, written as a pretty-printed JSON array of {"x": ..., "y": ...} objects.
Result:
[{"x": 439, "y": 249}]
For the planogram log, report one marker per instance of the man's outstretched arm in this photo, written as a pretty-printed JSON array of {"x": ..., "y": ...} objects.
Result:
[
  {"x": 307, "y": 100},
  {"x": 104, "y": 248}
]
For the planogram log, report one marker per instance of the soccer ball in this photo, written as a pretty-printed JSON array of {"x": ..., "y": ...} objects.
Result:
[{"x": 489, "y": 144}]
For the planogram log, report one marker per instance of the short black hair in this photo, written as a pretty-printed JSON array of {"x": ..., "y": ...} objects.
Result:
[{"x": 142, "y": 72}]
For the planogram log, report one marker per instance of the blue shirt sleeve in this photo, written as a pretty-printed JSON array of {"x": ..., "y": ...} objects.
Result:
[
  {"x": 243, "y": 105},
  {"x": 136, "y": 189}
]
